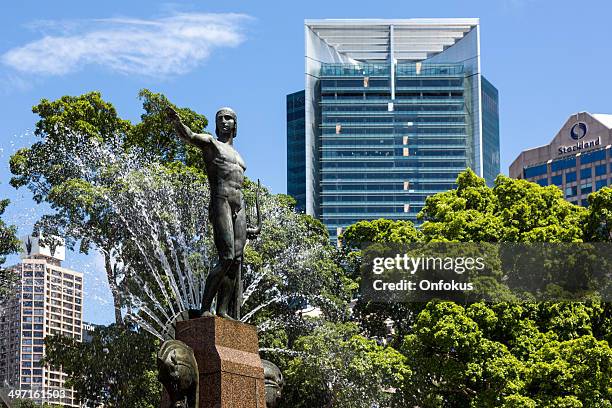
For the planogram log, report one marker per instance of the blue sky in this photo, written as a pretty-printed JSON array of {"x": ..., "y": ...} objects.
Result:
[{"x": 548, "y": 59}]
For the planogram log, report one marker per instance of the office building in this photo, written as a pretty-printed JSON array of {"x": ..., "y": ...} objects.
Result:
[
  {"x": 578, "y": 159},
  {"x": 48, "y": 301},
  {"x": 393, "y": 111},
  {"x": 296, "y": 149},
  {"x": 88, "y": 331}
]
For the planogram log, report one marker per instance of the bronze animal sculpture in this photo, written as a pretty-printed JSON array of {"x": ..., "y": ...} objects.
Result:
[
  {"x": 274, "y": 383},
  {"x": 178, "y": 372}
]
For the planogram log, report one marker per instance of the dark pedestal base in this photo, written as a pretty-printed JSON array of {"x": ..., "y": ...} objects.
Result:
[{"x": 231, "y": 373}]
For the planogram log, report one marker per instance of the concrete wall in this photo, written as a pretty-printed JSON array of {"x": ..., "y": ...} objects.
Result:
[{"x": 596, "y": 131}]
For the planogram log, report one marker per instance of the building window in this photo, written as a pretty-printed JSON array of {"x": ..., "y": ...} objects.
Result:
[
  {"x": 571, "y": 191},
  {"x": 557, "y": 180},
  {"x": 599, "y": 184},
  {"x": 586, "y": 173},
  {"x": 593, "y": 157},
  {"x": 543, "y": 182},
  {"x": 584, "y": 202},
  {"x": 600, "y": 170},
  {"x": 563, "y": 164},
  {"x": 535, "y": 171},
  {"x": 570, "y": 177},
  {"x": 586, "y": 188}
]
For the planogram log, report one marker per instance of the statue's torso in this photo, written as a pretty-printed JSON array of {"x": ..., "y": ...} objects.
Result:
[{"x": 225, "y": 170}]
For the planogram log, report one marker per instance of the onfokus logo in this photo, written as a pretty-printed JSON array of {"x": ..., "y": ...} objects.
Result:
[{"x": 578, "y": 131}]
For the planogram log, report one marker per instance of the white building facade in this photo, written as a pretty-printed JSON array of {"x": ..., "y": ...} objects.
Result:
[{"x": 48, "y": 301}]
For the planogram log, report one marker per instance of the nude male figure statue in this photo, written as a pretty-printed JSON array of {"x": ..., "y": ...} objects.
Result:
[{"x": 225, "y": 170}]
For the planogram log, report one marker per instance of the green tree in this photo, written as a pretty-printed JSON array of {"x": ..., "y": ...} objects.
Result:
[
  {"x": 380, "y": 230},
  {"x": 155, "y": 137},
  {"x": 505, "y": 354},
  {"x": 498, "y": 354},
  {"x": 54, "y": 170},
  {"x": 374, "y": 316},
  {"x": 116, "y": 369},
  {"x": 337, "y": 367},
  {"x": 8, "y": 245},
  {"x": 454, "y": 363},
  {"x": 512, "y": 211},
  {"x": 598, "y": 225}
]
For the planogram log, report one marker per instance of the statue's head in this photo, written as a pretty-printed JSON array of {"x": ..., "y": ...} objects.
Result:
[
  {"x": 178, "y": 372},
  {"x": 226, "y": 122},
  {"x": 274, "y": 383}
]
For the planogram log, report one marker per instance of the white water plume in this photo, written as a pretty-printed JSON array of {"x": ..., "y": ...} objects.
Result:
[{"x": 164, "y": 247}]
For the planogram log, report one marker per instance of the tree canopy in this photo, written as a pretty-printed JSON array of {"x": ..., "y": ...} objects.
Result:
[
  {"x": 116, "y": 369},
  {"x": 55, "y": 171},
  {"x": 99, "y": 173},
  {"x": 511, "y": 211},
  {"x": 8, "y": 244},
  {"x": 499, "y": 354}
]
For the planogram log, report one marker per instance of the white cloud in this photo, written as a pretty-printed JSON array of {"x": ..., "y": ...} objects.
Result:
[{"x": 157, "y": 47}]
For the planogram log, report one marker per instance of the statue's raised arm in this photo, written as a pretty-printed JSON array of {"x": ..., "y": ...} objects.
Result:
[{"x": 186, "y": 134}]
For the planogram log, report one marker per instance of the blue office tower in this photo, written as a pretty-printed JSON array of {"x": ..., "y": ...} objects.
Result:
[
  {"x": 393, "y": 111},
  {"x": 296, "y": 149}
]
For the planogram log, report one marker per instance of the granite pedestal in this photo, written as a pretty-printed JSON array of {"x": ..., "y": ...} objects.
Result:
[{"x": 227, "y": 352}]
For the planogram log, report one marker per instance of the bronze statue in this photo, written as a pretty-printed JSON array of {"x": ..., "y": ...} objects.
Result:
[
  {"x": 274, "y": 383},
  {"x": 225, "y": 169},
  {"x": 178, "y": 372}
]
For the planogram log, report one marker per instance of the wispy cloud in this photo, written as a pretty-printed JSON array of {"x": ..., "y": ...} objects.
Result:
[{"x": 156, "y": 47}]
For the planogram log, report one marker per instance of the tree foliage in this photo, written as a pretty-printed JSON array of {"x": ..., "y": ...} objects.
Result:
[
  {"x": 512, "y": 211},
  {"x": 380, "y": 230},
  {"x": 598, "y": 226},
  {"x": 8, "y": 244},
  {"x": 500, "y": 354},
  {"x": 116, "y": 369},
  {"x": 441, "y": 354},
  {"x": 54, "y": 170},
  {"x": 337, "y": 367}
]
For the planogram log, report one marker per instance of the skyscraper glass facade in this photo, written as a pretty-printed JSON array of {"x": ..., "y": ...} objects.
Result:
[
  {"x": 296, "y": 153},
  {"x": 393, "y": 112},
  {"x": 379, "y": 160},
  {"x": 490, "y": 131}
]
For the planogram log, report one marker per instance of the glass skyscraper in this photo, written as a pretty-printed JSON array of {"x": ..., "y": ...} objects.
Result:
[
  {"x": 393, "y": 110},
  {"x": 296, "y": 149}
]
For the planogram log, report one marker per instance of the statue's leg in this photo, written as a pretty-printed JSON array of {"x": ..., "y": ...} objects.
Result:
[
  {"x": 228, "y": 295},
  {"x": 221, "y": 219}
]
